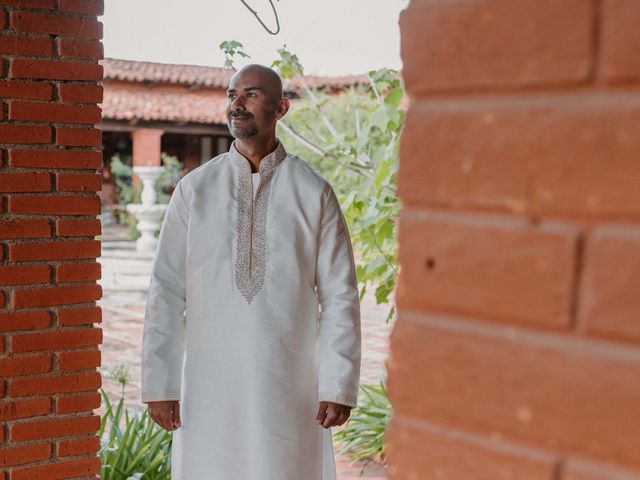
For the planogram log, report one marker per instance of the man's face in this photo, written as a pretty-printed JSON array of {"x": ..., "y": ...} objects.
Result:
[{"x": 251, "y": 109}]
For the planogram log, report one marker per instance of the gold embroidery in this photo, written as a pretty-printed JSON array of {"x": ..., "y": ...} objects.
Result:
[{"x": 251, "y": 256}]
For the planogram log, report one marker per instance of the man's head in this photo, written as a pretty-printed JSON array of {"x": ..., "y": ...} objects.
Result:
[{"x": 255, "y": 102}]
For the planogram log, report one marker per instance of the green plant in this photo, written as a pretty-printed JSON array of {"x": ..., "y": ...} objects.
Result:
[
  {"x": 232, "y": 48},
  {"x": 132, "y": 446},
  {"x": 353, "y": 140},
  {"x": 363, "y": 435}
]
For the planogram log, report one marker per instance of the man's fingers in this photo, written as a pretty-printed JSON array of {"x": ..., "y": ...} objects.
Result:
[
  {"x": 332, "y": 416},
  {"x": 342, "y": 418},
  {"x": 176, "y": 415},
  {"x": 163, "y": 415},
  {"x": 322, "y": 412},
  {"x": 166, "y": 418}
]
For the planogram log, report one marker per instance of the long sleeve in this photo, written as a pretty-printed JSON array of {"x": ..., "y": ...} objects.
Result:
[
  {"x": 164, "y": 321},
  {"x": 337, "y": 286}
]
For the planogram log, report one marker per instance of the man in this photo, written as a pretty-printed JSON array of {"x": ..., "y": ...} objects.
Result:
[{"x": 266, "y": 357}]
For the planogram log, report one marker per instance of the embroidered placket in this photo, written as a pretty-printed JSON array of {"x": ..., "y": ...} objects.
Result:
[{"x": 251, "y": 257}]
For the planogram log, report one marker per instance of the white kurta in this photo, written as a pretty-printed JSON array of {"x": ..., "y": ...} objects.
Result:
[{"x": 252, "y": 318}]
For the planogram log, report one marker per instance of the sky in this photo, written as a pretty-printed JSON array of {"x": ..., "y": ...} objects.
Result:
[{"x": 330, "y": 37}]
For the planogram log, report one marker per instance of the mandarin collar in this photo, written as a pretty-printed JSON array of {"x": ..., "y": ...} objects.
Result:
[{"x": 267, "y": 165}]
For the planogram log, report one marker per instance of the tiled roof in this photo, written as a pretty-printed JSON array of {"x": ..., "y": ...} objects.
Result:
[
  {"x": 215, "y": 77},
  {"x": 154, "y": 105},
  {"x": 170, "y": 100}
]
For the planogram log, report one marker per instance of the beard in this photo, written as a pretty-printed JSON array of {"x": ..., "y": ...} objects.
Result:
[{"x": 249, "y": 129}]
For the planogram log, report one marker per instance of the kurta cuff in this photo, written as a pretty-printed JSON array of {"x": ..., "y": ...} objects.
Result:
[
  {"x": 160, "y": 396},
  {"x": 340, "y": 397}
]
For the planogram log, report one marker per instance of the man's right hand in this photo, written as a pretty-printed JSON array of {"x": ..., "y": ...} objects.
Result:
[{"x": 166, "y": 414}]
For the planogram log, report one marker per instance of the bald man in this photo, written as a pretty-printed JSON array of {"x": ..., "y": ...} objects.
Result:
[{"x": 252, "y": 344}]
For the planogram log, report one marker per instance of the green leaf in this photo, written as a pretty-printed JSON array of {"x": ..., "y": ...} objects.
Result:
[{"x": 394, "y": 97}]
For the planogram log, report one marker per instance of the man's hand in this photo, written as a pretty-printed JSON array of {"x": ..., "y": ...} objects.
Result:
[
  {"x": 166, "y": 414},
  {"x": 332, "y": 414}
]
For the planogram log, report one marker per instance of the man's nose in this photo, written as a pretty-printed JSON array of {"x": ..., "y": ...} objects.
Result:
[{"x": 237, "y": 103}]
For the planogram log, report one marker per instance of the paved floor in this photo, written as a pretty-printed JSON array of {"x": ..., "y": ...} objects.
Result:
[{"x": 122, "y": 326}]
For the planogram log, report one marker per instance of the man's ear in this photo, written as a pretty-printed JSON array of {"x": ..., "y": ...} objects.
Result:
[{"x": 283, "y": 107}]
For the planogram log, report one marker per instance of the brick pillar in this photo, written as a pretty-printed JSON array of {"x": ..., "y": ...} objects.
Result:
[
  {"x": 516, "y": 354},
  {"x": 146, "y": 149},
  {"x": 51, "y": 151}
]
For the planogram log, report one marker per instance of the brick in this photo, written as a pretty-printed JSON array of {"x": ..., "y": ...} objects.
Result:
[
  {"x": 19, "y": 387},
  {"x": 24, "y": 274},
  {"x": 61, "y": 469},
  {"x": 78, "y": 227},
  {"x": 78, "y": 446},
  {"x": 489, "y": 266},
  {"x": 547, "y": 154},
  {"x": 81, "y": 93},
  {"x": 58, "y": 24},
  {"x": 581, "y": 469},
  {"x": 609, "y": 300},
  {"x": 25, "y": 134},
  {"x": 78, "y": 182},
  {"x": 619, "y": 41},
  {"x": 467, "y": 45},
  {"x": 30, "y": 342},
  {"x": 80, "y": 48},
  {"x": 55, "y": 70},
  {"x": 54, "y": 428},
  {"x": 74, "y": 159},
  {"x": 54, "y": 112},
  {"x": 541, "y": 389},
  {"x": 14, "y": 44},
  {"x": 78, "y": 360},
  {"x": 87, "y": 7},
  {"x": 25, "y": 228},
  {"x": 64, "y": 250},
  {"x": 78, "y": 272},
  {"x": 24, "y": 454},
  {"x": 79, "y": 137},
  {"x": 25, "y": 408},
  {"x": 480, "y": 166},
  {"x": 79, "y": 316},
  {"x": 29, "y": 3},
  {"x": 25, "y": 182},
  {"x": 25, "y": 365},
  {"x": 45, "y": 297},
  {"x": 55, "y": 204},
  {"x": 12, "y": 321},
  {"x": 455, "y": 455},
  {"x": 28, "y": 90},
  {"x": 78, "y": 403}
]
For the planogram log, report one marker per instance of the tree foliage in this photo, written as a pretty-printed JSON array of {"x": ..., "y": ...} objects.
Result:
[{"x": 352, "y": 139}]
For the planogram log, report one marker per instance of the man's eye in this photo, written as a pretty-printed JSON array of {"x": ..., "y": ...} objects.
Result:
[{"x": 251, "y": 94}]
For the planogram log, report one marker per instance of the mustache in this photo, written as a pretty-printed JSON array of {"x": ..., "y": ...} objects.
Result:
[{"x": 239, "y": 115}]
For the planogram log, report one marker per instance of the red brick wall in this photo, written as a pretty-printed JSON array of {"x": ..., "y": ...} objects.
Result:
[
  {"x": 517, "y": 350},
  {"x": 50, "y": 154}
]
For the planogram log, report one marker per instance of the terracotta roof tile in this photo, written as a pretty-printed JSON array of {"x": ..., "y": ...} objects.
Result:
[
  {"x": 151, "y": 105},
  {"x": 170, "y": 100},
  {"x": 138, "y": 71}
]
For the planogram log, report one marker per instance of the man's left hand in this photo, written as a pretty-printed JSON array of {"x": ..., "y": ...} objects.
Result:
[{"x": 332, "y": 414}]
